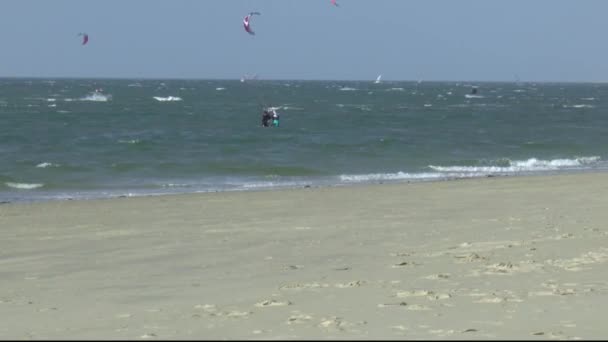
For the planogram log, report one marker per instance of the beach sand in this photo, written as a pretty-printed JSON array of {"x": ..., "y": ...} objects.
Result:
[{"x": 491, "y": 258}]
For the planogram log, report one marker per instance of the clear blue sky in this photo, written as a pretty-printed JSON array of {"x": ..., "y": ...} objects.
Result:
[{"x": 482, "y": 40}]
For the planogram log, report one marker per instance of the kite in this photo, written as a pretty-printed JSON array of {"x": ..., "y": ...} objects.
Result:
[
  {"x": 246, "y": 22},
  {"x": 333, "y": 2},
  {"x": 85, "y": 38}
]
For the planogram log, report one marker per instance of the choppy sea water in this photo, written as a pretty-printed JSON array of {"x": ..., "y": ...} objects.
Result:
[{"x": 59, "y": 139}]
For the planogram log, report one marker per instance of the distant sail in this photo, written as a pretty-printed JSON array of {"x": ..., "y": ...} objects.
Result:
[{"x": 378, "y": 79}]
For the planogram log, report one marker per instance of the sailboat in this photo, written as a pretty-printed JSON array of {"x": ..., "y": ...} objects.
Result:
[{"x": 378, "y": 79}]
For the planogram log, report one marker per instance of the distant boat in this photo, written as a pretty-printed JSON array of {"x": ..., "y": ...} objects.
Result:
[{"x": 378, "y": 79}]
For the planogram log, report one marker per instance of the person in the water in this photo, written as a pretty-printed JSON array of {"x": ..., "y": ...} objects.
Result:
[
  {"x": 266, "y": 116},
  {"x": 275, "y": 118}
]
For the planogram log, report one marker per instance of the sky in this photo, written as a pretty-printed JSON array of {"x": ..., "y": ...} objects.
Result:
[{"x": 432, "y": 40}]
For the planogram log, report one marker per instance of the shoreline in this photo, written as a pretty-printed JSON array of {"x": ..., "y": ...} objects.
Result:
[
  {"x": 482, "y": 258},
  {"x": 95, "y": 196}
]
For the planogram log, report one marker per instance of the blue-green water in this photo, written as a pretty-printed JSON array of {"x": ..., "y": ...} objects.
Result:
[{"x": 60, "y": 140}]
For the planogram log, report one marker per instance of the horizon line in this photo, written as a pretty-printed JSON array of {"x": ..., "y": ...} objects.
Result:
[{"x": 282, "y": 79}]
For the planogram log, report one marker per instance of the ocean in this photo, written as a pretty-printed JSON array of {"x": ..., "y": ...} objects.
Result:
[{"x": 59, "y": 139}]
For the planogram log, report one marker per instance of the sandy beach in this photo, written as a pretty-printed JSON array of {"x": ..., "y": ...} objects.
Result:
[{"x": 491, "y": 258}]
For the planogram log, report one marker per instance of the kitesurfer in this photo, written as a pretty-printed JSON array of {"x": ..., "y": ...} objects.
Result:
[
  {"x": 275, "y": 118},
  {"x": 266, "y": 116}
]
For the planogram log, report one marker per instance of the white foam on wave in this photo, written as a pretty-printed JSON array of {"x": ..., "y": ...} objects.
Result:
[
  {"x": 390, "y": 176},
  {"x": 579, "y": 106},
  {"x": 471, "y": 96},
  {"x": 271, "y": 184},
  {"x": 348, "y": 89},
  {"x": 220, "y": 88},
  {"x": 291, "y": 108},
  {"x": 47, "y": 164},
  {"x": 24, "y": 186},
  {"x": 96, "y": 97},
  {"x": 395, "y": 89},
  {"x": 131, "y": 141},
  {"x": 528, "y": 165},
  {"x": 167, "y": 99}
]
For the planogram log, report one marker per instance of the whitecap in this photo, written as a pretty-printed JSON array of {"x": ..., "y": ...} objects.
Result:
[
  {"x": 96, "y": 97},
  {"x": 579, "y": 106},
  {"x": 532, "y": 164},
  {"x": 167, "y": 99},
  {"x": 132, "y": 141},
  {"x": 219, "y": 88},
  {"x": 46, "y": 164},
  {"x": 388, "y": 176},
  {"x": 25, "y": 186}
]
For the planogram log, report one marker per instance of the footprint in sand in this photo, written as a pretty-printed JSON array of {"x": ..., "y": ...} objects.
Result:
[
  {"x": 346, "y": 268},
  {"x": 355, "y": 283},
  {"x": 212, "y": 310},
  {"x": 298, "y": 318},
  {"x": 272, "y": 302},
  {"x": 392, "y": 304},
  {"x": 579, "y": 263},
  {"x": 405, "y": 264},
  {"x": 299, "y": 286},
  {"x": 471, "y": 257},
  {"x": 506, "y": 297},
  {"x": 556, "y": 335},
  {"x": 293, "y": 267},
  {"x": 508, "y": 268},
  {"x": 400, "y": 327},
  {"x": 238, "y": 314},
  {"x": 438, "y": 276},
  {"x": 338, "y": 323},
  {"x": 441, "y": 332},
  {"x": 430, "y": 295},
  {"x": 418, "y": 307}
]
